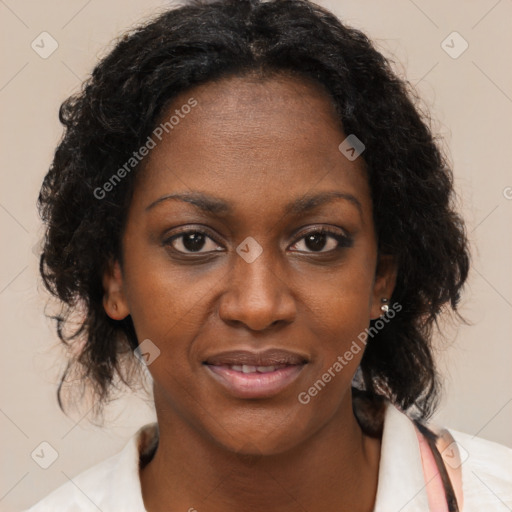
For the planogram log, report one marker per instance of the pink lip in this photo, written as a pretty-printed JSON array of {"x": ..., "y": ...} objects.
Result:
[{"x": 254, "y": 385}]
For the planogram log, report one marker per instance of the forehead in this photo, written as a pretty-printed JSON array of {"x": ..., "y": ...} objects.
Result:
[{"x": 277, "y": 136}]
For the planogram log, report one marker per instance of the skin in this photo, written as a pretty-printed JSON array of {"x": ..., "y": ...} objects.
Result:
[{"x": 258, "y": 146}]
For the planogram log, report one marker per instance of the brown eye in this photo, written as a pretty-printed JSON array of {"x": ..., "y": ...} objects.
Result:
[
  {"x": 317, "y": 241},
  {"x": 321, "y": 241},
  {"x": 192, "y": 242}
]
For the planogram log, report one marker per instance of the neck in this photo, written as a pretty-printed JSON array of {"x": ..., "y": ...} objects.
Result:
[{"x": 334, "y": 470}]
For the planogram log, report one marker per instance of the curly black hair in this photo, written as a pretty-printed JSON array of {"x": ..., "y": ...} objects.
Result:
[{"x": 203, "y": 41}]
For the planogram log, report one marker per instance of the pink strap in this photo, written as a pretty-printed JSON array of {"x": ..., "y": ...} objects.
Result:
[{"x": 433, "y": 482}]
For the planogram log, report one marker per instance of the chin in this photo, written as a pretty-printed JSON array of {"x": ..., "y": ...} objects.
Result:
[{"x": 256, "y": 434}]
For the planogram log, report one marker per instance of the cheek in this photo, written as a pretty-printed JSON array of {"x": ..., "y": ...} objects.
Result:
[
  {"x": 341, "y": 344},
  {"x": 338, "y": 310},
  {"x": 341, "y": 299},
  {"x": 166, "y": 304},
  {"x": 341, "y": 335}
]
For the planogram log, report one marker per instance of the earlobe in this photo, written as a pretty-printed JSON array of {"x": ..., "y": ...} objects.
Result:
[
  {"x": 384, "y": 285},
  {"x": 114, "y": 300}
]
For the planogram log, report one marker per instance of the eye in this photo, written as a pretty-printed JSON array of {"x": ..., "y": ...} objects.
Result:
[
  {"x": 192, "y": 242},
  {"x": 321, "y": 241}
]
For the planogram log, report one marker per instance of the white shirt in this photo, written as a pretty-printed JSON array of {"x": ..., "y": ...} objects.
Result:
[{"x": 114, "y": 484}]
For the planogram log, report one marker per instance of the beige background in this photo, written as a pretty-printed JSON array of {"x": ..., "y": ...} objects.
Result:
[{"x": 471, "y": 99}]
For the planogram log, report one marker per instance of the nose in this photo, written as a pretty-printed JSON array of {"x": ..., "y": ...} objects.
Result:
[{"x": 257, "y": 296}]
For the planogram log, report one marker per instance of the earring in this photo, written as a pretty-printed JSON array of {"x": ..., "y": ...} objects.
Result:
[{"x": 385, "y": 306}]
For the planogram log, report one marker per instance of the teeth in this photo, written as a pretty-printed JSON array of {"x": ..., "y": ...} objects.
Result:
[
  {"x": 266, "y": 369},
  {"x": 253, "y": 369}
]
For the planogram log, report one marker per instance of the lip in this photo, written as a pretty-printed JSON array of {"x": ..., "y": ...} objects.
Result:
[
  {"x": 269, "y": 357},
  {"x": 255, "y": 385}
]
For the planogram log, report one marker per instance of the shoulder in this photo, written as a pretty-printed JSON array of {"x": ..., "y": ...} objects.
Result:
[
  {"x": 479, "y": 470},
  {"x": 83, "y": 492},
  {"x": 486, "y": 472},
  {"x": 110, "y": 486}
]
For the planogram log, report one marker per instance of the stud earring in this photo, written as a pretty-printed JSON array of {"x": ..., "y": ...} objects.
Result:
[{"x": 385, "y": 306}]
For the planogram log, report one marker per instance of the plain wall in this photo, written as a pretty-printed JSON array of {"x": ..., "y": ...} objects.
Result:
[{"x": 470, "y": 97}]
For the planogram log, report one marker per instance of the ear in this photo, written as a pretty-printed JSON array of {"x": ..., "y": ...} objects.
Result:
[
  {"x": 384, "y": 283},
  {"x": 114, "y": 300}
]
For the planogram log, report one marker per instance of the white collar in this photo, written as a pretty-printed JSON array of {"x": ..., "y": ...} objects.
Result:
[
  {"x": 401, "y": 484},
  {"x": 114, "y": 484}
]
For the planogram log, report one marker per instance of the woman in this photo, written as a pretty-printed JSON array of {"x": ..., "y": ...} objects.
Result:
[{"x": 247, "y": 201}]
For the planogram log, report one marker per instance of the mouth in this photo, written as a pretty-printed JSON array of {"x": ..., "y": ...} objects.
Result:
[{"x": 246, "y": 374}]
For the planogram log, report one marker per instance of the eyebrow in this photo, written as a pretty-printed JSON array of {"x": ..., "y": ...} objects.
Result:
[{"x": 218, "y": 206}]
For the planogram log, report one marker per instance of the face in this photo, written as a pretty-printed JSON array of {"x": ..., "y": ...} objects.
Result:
[{"x": 250, "y": 261}]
